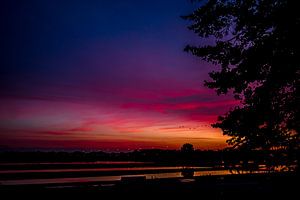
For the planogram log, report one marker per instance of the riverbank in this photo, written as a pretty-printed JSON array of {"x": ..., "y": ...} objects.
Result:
[{"x": 246, "y": 186}]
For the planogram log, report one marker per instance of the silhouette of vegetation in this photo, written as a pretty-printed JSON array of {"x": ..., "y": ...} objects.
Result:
[
  {"x": 187, "y": 148},
  {"x": 187, "y": 153},
  {"x": 256, "y": 44},
  {"x": 157, "y": 156},
  {"x": 188, "y": 159}
]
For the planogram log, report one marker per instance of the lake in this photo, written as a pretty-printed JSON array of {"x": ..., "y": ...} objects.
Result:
[{"x": 27, "y": 174}]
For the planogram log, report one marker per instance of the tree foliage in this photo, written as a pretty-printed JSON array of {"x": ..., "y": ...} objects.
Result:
[
  {"x": 256, "y": 44},
  {"x": 187, "y": 148}
]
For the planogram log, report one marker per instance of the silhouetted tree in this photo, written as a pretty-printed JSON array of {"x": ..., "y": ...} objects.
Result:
[
  {"x": 187, "y": 148},
  {"x": 256, "y": 44}
]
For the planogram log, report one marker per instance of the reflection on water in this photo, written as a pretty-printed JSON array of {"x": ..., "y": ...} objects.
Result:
[
  {"x": 110, "y": 178},
  {"x": 136, "y": 168},
  {"x": 114, "y": 169},
  {"x": 78, "y": 163}
]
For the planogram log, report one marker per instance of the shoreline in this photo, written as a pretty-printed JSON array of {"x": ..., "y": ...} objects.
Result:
[{"x": 271, "y": 185}]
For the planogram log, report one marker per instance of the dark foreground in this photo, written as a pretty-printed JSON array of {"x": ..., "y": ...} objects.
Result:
[{"x": 250, "y": 186}]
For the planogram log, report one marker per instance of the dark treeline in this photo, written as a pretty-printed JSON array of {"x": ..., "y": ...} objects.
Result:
[{"x": 196, "y": 157}]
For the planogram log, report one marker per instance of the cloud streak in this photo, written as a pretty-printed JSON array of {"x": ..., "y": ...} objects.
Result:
[{"x": 79, "y": 81}]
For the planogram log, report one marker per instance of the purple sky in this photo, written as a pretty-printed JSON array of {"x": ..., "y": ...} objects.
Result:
[{"x": 108, "y": 75}]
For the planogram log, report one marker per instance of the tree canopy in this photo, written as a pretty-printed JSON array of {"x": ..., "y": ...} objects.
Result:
[
  {"x": 187, "y": 148},
  {"x": 256, "y": 44}
]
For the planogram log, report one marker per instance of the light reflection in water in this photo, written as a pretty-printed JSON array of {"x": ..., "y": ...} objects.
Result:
[
  {"x": 114, "y": 169},
  {"x": 110, "y": 178},
  {"x": 78, "y": 163}
]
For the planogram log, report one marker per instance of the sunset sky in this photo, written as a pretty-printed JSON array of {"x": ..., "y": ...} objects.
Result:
[{"x": 106, "y": 75}]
